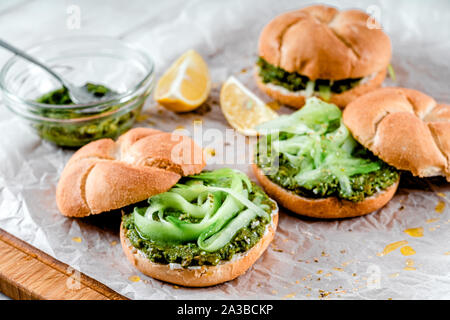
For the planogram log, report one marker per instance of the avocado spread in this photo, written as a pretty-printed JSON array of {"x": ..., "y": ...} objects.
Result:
[
  {"x": 76, "y": 134},
  {"x": 189, "y": 253},
  {"x": 313, "y": 154},
  {"x": 294, "y": 81}
]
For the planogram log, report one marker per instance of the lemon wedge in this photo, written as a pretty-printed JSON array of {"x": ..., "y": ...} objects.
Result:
[
  {"x": 243, "y": 109},
  {"x": 185, "y": 85}
]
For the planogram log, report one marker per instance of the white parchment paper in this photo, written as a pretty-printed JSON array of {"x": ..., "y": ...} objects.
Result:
[{"x": 309, "y": 259}]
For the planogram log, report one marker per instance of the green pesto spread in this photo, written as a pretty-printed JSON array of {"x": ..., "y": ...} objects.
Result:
[
  {"x": 189, "y": 253},
  {"x": 362, "y": 185},
  {"x": 294, "y": 81},
  {"x": 312, "y": 153},
  {"x": 76, "y": 134}
]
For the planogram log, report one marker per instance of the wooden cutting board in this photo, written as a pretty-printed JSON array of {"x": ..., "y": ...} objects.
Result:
[{"x": 28, "y": 273}]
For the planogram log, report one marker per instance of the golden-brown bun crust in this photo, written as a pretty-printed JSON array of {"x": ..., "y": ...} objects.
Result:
[
  {"x": 105, "y": 175},
  {"x": 325, "y": 208},
  {"x": 321, "y": 42},
  {"x": 340, "y": 99},
  {"x": 205, "y": 275},
  {"x": 405, "y": 128}
]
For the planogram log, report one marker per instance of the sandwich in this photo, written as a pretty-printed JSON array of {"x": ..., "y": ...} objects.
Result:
[
  {"x": 208, "y": 229},
  {"x": 405, "y": 128},
  {"x": 323, "y": 52},
  {"x": 310, "y": 163},
  {"x": 179, "y": 224}
]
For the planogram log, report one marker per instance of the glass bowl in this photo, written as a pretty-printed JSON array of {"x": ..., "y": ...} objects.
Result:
[{"x": 99, "y": 60}]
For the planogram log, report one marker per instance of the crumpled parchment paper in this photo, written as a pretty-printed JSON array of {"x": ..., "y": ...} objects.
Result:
[{"x": 309, "y": 259}]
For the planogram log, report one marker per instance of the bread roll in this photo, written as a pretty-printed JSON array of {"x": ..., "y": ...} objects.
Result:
[
  {"x": 200, "y": 276},
  {"x": 105, "y": 175},
  {"x": 323, "y": 208},
  {"x": 405, "y": 128},
  {"x": 321, "y": 42}
]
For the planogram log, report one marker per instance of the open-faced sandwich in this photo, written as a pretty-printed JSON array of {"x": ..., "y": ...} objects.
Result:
[
  {"x": 196, "y": 229},
  {"x": 321, "y": 51},
  {"x": 208, "y": 229},
  {"x": 310, "y": 163},
  {"x": 405, "y": 128}
]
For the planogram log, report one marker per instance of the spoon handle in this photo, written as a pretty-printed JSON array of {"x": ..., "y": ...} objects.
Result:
[{"x": 25, "y": 56}]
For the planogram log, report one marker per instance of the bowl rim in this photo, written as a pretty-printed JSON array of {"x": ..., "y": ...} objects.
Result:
[{"x": 120, "y": 98}]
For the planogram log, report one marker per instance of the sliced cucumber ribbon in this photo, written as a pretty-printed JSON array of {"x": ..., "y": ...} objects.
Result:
[
  {"x": 315, "y": 141},
  {"x": 216, "y": 204}
]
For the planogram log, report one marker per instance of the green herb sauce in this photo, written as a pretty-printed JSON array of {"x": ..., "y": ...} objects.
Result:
[
  {"x": 78, "y": 134},
  {"x": 189, "y": 254},
  {"x": 294, "y": 81}
]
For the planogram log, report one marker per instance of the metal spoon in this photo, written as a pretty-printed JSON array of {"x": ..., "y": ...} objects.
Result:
[{"x": 79, "y": 95}]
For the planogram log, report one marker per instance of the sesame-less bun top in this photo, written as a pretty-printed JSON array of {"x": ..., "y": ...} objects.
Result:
[
  {"x": 405, "y": 128},
  {"x": 105, "y": 174},
  {"x": 322, "y": 42}
]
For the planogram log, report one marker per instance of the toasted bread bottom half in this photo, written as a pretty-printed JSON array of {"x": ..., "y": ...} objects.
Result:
[
  {"x": 325, "y": 208},
  {"x": 340, "y": 99},
  {"x": 203, "y": 276}
]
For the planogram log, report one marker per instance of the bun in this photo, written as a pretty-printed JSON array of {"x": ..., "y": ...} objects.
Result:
[
  {"x": 340, "y": 99},
  {"x": 405, "y": 128},
  {"x": 324, "y": 208},
  {"x": 202, "y": 276},
  {"x": 105, "y": 175},
  {"x": 322, "y": 42}
]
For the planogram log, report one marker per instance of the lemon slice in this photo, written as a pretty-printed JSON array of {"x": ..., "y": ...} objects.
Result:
[
  {"x": 185, "y": 85},
  {"x": 243, "y": 109}
]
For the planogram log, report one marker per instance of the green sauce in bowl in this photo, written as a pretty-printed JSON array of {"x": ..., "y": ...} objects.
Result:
[
  {"x": 105, "y": 123},
  {"x": 32, "y": 94}
]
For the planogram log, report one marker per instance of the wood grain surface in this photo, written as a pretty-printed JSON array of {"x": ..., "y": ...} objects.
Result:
[{"x": 28, "y": 273}]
